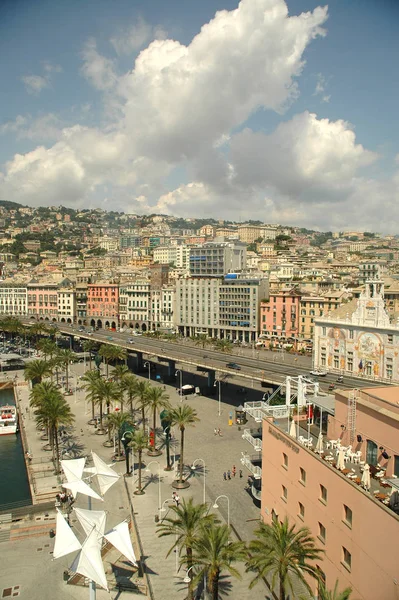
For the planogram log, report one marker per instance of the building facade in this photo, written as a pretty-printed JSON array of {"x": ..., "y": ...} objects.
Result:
[
  {"x": 43, "y": 300},
  {"x": 215, "y": 260},
  {"x": 280, "y": 315},
  {"x": 13, "y": 299},
  {"x": 135, "y": 304},
  {"x": 103, "y": 305}
]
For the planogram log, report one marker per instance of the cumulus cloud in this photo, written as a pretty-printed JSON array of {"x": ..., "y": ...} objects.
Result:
[
  {"x": 97, "y": 69},
  {"x": 135, "y": 37},
  {"x": 34, "y": 84}
]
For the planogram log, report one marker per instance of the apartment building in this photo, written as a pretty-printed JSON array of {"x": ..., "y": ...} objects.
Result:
[
  {"x": 135, "y": 304},
  {"x": 178, "y": 255},
  {"x": 359, "y": 338},
  {"x": 280, "y": 315},
  {"x": 216, "y": 259},
  {"x": 13, "y": 298},
  {"x": 66, "y": 303},
  {"x": 314, "y": 306},
  {"x": 43, "y": 300},
  {"x": 351, "y": 520},
  {"x": 103, "y": 304}
]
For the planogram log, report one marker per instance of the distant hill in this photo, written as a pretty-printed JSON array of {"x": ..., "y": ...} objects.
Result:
[{"x": 11, "y": 205}]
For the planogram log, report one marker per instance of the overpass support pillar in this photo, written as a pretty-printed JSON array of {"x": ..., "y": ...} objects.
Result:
[
  {"x": 139, "y": 362},
  {"x": 171, "y": 368},
  {"x": 211, "y": 379}
]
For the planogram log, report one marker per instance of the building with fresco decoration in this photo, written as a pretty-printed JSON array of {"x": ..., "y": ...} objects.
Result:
[{"x": 359, "y": 338}]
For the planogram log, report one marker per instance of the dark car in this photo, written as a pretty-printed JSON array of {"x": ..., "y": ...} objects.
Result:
[{"x": 233, "y": 366}]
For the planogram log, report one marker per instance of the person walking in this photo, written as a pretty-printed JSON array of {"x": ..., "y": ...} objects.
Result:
[
  {"x": 224, "y": 476},
  {"x": 215, "y": 431},
  {"x": 228, "y": 474},
  {"x": 233, "y": 471},
  {"x": 240, "y": 474}
]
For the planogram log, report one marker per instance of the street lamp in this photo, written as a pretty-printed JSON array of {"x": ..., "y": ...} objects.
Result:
[
  {"x": 220, "y": 396},
  {"x": 193, "y": 466},
  {"x": 163, "y": 509},
  {"x": 159, "y": 483},
  {"x": 216, "y": 505},
  {"x": 181, "y": 383},
  {"x": 187, "y": 579},
  {"x": 148, "y": 364}
]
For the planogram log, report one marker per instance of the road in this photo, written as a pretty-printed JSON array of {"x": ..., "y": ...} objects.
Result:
[{"x": 255, "y": 365}]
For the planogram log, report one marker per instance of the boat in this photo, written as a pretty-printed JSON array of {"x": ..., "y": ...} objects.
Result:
[{"x": 8, "y": 419}]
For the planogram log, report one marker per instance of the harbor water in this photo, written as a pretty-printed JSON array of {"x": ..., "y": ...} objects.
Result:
[{"x": 14, "y": 488}]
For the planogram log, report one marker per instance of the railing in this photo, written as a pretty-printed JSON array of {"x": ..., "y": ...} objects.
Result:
[
  {"x": 260, "y": 410},
  {"x": 246, "y": 462},
  {"x": 257, "y": 494},
  {"x": 256, "y": 442}
]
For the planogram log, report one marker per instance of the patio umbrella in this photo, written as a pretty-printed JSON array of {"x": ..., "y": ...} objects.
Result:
[
  {"x": 319, "y": 446},
  {"x": 293, "y": 429},
  {"x": 341, "y": 459},
  {"x": 366, "y": 477}
]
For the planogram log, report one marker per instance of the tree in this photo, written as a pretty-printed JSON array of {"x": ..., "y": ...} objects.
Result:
[
  {"x": 47, "y": 347},
  {"x": 115, "y": 421},
  {"x": 142, "y": 389},
  {"x": 214, "y": 553},
  {"x": 224, "y": 345},
  {"x": 66, "y": 357},
  {"x": 89, "y": 346},
  {"x": 185, "y": 525},
  {"x": 129, "y": 385},
  {"x": 156, "y": 399},
  {"x": 52, "y": 410},
  {"x": 202, "y": 340},
  {"x": 285, "y": 554},
  {"x": 111, "y": 353},
  {"x": 90, "y": 380},
  {"x": 182, "y": 416},
  {"x": 36, "y": 370},
  {"x": 334, "y": 594},
  {"x": 105, "y": 391},
  {"x": 139, "y": 443},
  {"x": 11, "y": 325},
  {"x": 119, "y": 373}
]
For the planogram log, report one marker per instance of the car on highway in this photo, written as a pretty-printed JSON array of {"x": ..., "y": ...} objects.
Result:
[
  {"x": 317, "y": 373},
  {"x": 234, "y": 366}
]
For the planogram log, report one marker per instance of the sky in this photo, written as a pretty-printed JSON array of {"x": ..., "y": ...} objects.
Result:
[{"x": 271, "y": 110}]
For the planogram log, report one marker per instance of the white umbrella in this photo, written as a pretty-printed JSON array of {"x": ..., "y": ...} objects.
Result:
[
  {"x": 366, "y": 477},
  {"x": 319, "y": 446},
  {"x": 341, "y": 460},
  {"x": 293, "y": 429}
]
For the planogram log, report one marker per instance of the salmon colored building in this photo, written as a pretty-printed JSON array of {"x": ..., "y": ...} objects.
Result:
[
  {"x": 103, "y": 305},
  {"x": 279, "y": 316},
  {"x": 354, "y": 524}
]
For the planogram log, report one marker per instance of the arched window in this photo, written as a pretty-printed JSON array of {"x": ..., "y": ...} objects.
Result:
[{"x": 372, "y": 453}]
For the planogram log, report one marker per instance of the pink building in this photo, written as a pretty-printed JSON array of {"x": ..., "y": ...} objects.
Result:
[
  {"x": 357, "y": 528},
  {"x": 42, "y": 300},
  {"x": 279, "y": 316},
  {"x": 103, "y": 305}
]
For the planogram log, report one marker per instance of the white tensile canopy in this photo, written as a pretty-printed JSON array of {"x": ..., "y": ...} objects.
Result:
[
  {"x": 119, "y": 537},
  {"x": 366, "y": 477},
  {"x": 293, "y": 429},
  {"x": 91, "y": 518},
  {"x": 65, "y": 540},
  {"x": 89, "y": 562},
  {"x": 106, "y": 476},
  {"x": 73, "y": 469},
  {"x": 81, "y": 487}
]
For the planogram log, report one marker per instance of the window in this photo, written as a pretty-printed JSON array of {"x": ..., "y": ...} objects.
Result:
[
  {"x": 301, "y": 511},
  {"x": 346, "y": 558},
  {"x": 322, "y": 533},
  {"x": 347, "y": 516},
  {"x": 285, "y": 461},
  {"x": 323, "y": 494},
  {"x": 351, "y": 333},
  {"x": 302, "y": 477},
  {"x": 390, "y": 338},
  {"x": 284, "y": 493},
  {"x": 372, "y": 453}
]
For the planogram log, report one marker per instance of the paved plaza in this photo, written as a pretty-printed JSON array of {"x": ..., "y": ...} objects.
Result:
[{"x": 212, "y": 454}]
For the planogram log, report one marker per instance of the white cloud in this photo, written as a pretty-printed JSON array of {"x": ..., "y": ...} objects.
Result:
[
  {"x": 97, "y": 69},
  {"x": 135, "y": 37},
  {"x": 13, "y": 126},
  {"x": 34, "y": 84},
  {"x": 320, "y": 90}
]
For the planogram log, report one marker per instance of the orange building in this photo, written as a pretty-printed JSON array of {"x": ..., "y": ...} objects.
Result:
[{"x": 103, "y": 305}]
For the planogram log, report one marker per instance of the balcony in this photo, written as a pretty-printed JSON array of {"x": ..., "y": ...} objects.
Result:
[
  {"x": 260, "y": 410},
  {"x": 256, "y": 442},
  {"x": 252, "y": 463}
]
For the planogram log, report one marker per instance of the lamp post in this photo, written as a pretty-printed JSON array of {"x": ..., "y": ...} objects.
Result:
[
  {"x": 216, "y": 505},
  {"x": 148, "y": 364},
  {"x": 193, "y": 466},
  {"x": 181, "y": 383},
  {"x": 159, "y": 484}
]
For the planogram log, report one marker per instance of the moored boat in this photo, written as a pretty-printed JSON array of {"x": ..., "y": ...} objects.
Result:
[{"x": 8, "y": 419}]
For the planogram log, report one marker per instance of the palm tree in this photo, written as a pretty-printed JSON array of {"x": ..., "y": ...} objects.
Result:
[
  {"x": 119, "y": 373},
  {"x": 11, "y": 325},
  {"x": 129, "y": 385},
  {"x": 141, "y": 390},
  {"x": 38, "y": 329},
  {"x": 52, "y": 410},
  {"x": 285, "y": 554},
  {"x": 182, "y": 416},
  {"x": 115, "y": 421},
  {"x": 202, "y": 340},
  {"x": 223, "y": 345},
  {"x": 185, "y": 525},
  {"x": 47, "y": 347},
  {"x": 66, "y": 356},
  {"x": 214, "y": 553},
  {"x": 105, "y": 391},
  {"x": 36, "y": 370},
  {"x": 334, "y": 594},
  {"x": 156, "y": 400},
  {"x": 111, "y": 353},
  {"x": 90, "y": 380},
  {"x": 139, "y": 443},
  {"x": 89, "y": 346}
]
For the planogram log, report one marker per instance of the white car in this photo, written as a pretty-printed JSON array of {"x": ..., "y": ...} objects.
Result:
[{"x": 317, "y": 373}]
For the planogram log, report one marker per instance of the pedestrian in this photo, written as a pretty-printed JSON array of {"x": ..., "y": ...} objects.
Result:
[
  {"x": 215, "y": 431},
  {"x": 219, "y": 432},
  {"x": 229, "y": 474},
  {"x": 225, "y": 476},
  {"x": 177, "y": 499},
  {"x": 233, "y": 470},
  {"x": 240, "y": 474}
]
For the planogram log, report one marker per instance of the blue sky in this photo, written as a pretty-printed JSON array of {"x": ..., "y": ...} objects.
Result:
[{"x": 131, "y": 105}]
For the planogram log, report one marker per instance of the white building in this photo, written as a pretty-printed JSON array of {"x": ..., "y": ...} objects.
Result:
[
  {"x": 163, "y": 308},
  {"x": 135, "y": 304},
  {"x": 13, "y": 299},
  {"x": 178, "y": 255},
  {"x": 66, "y": 304},
  {"x": 358, "y": 338}
]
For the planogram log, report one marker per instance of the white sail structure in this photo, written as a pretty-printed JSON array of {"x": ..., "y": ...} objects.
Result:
[
  {"x": 91, "y": 518},
  {"x": 65, "y": 540},
  {"x": 106, "y": 476},
  {"x": 119, "y": 537},
  {"x": 89, "y": 562},
  {"x": 80, "y": 487},
  {"x": 73, "y": 469}
]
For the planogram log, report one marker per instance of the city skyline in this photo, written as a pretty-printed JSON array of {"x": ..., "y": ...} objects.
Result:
[{"x": 259, "y": 112}]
